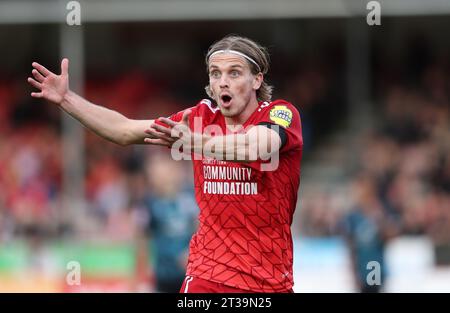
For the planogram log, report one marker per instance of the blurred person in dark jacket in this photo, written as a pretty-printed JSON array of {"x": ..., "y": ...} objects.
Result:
[
  {"x": 172, "y": 213},
  {"x": 367, "y": 228}
]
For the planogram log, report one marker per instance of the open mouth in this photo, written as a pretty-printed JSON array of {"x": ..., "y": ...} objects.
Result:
[{"x": 225, "y": 99}]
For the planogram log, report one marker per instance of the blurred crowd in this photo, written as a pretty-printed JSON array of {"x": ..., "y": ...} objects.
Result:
[
  {"x": 31, "y": 165},
  {"x": 399, "y": 168},
  {"x": 134, "y": 195}
]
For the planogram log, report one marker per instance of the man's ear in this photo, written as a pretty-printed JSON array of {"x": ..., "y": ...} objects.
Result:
[{"x": 257, "y": 81}]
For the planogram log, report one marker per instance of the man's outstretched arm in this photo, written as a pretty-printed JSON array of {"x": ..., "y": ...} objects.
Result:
[{"x": 106, "y": 123}]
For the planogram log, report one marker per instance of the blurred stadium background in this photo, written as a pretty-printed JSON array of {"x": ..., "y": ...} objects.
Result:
[{"x": 374, "y": 102}]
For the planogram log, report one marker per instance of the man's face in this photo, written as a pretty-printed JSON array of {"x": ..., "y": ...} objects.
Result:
[{"x": 232, "y": 83}]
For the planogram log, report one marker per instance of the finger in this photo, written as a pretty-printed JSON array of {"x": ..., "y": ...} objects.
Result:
[
  {"x": 159, "y": 135},
  {"x": 35, "y": 83},
  {"x": 65, "y": 66},
  {"x": 162, "y": 129},
  {"x": 41, "y": 69},
  {"x": 181, "y": 128},
  {"x": 148, "y": 132},
  {"x": 167, "y": 121},
  {"x": 152, "y": 133},
  {"x": 158, "y": 142},
  {"x": 38, "y": 76},
  {"x": 37, "y": 94}
]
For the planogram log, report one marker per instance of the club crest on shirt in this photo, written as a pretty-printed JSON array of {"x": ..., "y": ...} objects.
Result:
[{"x": 281, "y": 115}]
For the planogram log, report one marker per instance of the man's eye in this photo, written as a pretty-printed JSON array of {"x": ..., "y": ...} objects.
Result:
[
  {"x": 234, "y": 73},
  {"x": 215, "y": 74}
]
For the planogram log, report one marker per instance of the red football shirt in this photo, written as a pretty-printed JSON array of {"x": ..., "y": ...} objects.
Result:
[{"x": 244, "y": 237}]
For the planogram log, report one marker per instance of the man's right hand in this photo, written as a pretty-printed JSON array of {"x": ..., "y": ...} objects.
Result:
[
  {"x": 106, "y": 123},
  {"x": 51, "y": 86}
]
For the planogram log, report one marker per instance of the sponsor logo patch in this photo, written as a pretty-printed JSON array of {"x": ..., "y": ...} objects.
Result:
[{"x": 281, "y": 115}]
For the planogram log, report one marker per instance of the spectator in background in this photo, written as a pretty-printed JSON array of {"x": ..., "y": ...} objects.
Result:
[
  {"x": 172, "y": 212},
  {"x": 367, "y": 228}
]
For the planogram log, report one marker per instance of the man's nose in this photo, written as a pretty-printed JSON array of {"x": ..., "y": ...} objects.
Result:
[{"x": 224, "y": 82}]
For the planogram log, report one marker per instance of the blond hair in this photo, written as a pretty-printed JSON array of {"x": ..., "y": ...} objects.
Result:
[{"x": 251, "y": 49}]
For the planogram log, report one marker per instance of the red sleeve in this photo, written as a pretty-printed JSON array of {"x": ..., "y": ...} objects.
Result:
[
  {"x": 283, "y": 114},
  {"x": 203, "y": 108},
  {"x": 176, "y": 117}
]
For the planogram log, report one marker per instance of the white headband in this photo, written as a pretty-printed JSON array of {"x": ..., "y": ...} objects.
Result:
[{"x": 237, "y": 53}]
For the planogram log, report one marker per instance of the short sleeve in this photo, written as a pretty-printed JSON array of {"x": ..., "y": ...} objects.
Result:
[
  {"x": 283, "y": 114},
  {"x": 176, "y": 117}
]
